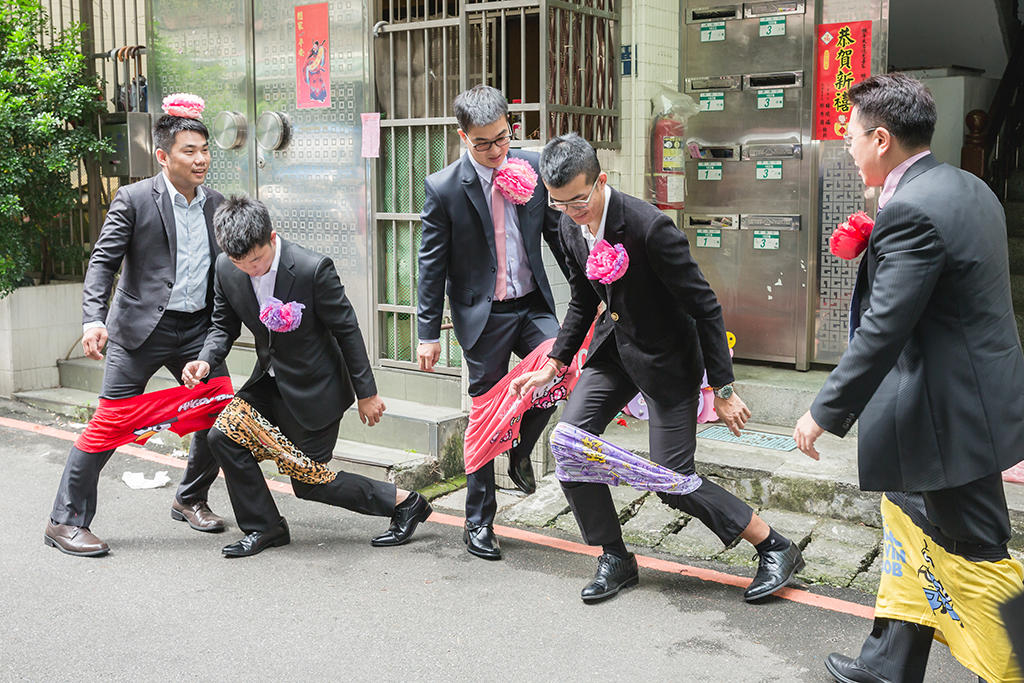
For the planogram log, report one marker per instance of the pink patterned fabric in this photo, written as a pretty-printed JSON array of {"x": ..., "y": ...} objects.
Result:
[
  {"x": 495, "y": 417},
  {"x": 184, "y": 104},
  {"x": 516, "y": 181},
  {"x": 607, "y": 262}
]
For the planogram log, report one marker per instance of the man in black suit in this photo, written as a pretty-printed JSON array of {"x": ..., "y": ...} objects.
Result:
[
  {"x": 662, "y": 326},
  {"x": 487, "y": 250},
  {"x": 303, "y": 381},
  {"x": 159, "y": 233},
  {"x": 934, "y": 367}
]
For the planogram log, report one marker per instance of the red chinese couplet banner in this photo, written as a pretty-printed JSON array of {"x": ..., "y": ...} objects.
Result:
[
  {"x": 312, "y": 57},
  {"x": 843, "y": 58}
]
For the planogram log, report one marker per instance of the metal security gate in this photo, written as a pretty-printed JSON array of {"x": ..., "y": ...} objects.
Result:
[{"x": 555, "y": 61}]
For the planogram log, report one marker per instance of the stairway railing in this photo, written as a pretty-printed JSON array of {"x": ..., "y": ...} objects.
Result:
[{"x": 992, "y": 144}]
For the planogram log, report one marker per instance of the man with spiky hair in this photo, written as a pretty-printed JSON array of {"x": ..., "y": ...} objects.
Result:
[
  {"x": 484, "y": 248},
  {"x": 159, "y": 234}
]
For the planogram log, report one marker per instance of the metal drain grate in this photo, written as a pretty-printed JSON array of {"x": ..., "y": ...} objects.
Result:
[{"x": 775, "y": 442}]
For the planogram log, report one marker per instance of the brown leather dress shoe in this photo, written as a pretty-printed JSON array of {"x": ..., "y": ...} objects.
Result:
[
  {"x": 198, "y": 515},
  {"x": 74, "y": 540}
]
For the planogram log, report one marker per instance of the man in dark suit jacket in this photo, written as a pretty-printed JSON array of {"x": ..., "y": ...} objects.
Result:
[
  {"x": 661, "y": 328},
  {"x": 303, "y": 381},
  {"x": 934, "y": 367},
  {"x": 159, "y": 232},
  {"x": 500, "y": 299}
]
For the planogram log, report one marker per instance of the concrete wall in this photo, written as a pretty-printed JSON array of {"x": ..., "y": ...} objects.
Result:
[
  {"x": 925, "y": 33},
  {"x": 38, "y": 325}
]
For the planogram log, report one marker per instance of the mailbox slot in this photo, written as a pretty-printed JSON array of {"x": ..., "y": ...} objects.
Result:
[
  {"x": 713, "y": 152},
  {"x": 702, "y": 83},
  {"x": 772, "y": 150},
  {"x": 761, "y": 9},
  {"x": 769, "y": 221},
  {"x": 723, "y": 221},
  {"x": 718, "y": 13},
  {"x": 779, "y": 79}
]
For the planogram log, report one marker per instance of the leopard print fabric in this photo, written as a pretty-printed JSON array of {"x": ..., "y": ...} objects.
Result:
[{"x": 241, "y": 423}]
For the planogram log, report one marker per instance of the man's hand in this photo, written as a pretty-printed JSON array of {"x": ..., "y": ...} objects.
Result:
[
  {"x": 427, "y": 354},
  {"x": 93, "y": 341},
  {"x": 525, "y": 384},
  {"x": 193, "y": 372},
  {"x": 733, "y": 412},
  {"x": 806, "y": 433},
  {"x": 370, "y": 409}
]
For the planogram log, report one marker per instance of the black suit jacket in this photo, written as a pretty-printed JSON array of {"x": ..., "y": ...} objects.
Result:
[
  {"x": 139, "y": 236},
  {"x": 457, "y": 248},
  {"x": 934, "y": 371},
  {"x": 665, "y": 318},
  {"x": 321, "y": 366}
]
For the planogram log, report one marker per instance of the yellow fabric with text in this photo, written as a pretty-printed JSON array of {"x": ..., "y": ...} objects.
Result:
[{"x": 924, "y": 584}]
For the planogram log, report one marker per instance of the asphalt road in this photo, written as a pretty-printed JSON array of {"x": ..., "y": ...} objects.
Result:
[{"x": 164, "y": 605}]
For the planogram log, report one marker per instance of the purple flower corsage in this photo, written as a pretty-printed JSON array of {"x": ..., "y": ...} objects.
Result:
[
  {"x": 607, "y": 262},
  {"x": 281, "y": 317}
]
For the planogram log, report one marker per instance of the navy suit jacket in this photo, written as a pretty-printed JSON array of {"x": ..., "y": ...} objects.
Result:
[
  {"x": 934, "y": 370},
  {"x": 457, "y": 249}
]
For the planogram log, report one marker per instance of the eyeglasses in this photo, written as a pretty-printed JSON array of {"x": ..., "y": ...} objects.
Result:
[
  {"x": 848, "y": 139},
  {"x": 576, "y": 204},
  {"x": 501, "y": 142}
]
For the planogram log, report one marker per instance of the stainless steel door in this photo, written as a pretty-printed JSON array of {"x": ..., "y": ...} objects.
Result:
[
  {"x": 207, "y": 53},
  {"x": 309, "y": 171}
]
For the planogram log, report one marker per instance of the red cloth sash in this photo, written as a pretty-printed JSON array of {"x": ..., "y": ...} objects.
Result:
[{"x": 134, "y": 420}]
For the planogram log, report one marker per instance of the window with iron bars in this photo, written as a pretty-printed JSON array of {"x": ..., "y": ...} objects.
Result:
[{"x": 556, "y": 62}]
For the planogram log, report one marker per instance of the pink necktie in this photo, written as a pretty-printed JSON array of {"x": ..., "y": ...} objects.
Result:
[{"x": 498, "y": 218}]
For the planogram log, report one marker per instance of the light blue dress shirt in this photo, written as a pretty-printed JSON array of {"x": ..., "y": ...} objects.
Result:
[{"x": 192, "y": 265}]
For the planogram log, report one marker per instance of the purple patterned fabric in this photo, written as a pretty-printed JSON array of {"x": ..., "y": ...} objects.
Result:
[
  {"x": 582, "y": 457},
  {"x": 281, "y": 317}
]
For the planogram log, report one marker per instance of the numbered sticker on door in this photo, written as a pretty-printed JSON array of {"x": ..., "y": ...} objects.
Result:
[
  {"x": 709, "y": 239},
  {"x": 768, "y": 170},
  {"x": 709, "y": 170},
  {"x": 712, "y": 101},
  {"x": 712, "y": 32},
  {"x": 772, "y": 98},
  {"x": 769, "y": 27},
  {"x": 766, "y": 239}
]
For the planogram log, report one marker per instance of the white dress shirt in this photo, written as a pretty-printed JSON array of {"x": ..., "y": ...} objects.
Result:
[
  {"x": 263, "y": 285},
  {"x": 592, "y": 240}
]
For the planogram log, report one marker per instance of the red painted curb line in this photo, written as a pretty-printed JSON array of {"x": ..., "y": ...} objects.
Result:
[{"x": 667, "y": 566}]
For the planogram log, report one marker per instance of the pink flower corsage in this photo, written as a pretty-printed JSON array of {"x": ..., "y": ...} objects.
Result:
[
  {"x": 281, "y": 317},
  {"x": 607, "y": 262},
  {"x": 516, "y": 181},
  {"x": 183, "y": 104}
]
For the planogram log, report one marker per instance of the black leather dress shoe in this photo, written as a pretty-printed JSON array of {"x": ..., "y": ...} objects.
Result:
[
  {"x": 846, "y": 670},
  {"x": 613, "y": 574},
  {"x": 407, "y": 516},
  {"x": 520, "y": 471},
  {"x": 480, "y": 541},
  {"x": 258, "y": 541},
  {"x": 775, "y": 569}
]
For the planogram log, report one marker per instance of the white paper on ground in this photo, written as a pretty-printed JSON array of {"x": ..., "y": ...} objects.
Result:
[{"x": 138, "y": 480}]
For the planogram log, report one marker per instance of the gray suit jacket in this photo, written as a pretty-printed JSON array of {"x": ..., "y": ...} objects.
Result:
[
  {"x": 934, "y": 371},
  {"x": 140, "y": 238},
  {"x": 321, "y": 366},
  {"x": 457, "y": 248}
]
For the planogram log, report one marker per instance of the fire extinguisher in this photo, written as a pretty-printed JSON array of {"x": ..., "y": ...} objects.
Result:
[{"x": 668, "y": 149}]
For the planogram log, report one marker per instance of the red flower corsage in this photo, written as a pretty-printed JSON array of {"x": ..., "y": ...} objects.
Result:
[{"x": 849, "y": 239}]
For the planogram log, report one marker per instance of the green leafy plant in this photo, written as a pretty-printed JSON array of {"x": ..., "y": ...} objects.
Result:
[{"x": 48, "y": 104}]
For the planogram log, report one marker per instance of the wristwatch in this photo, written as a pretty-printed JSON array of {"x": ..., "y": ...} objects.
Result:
[{"x": 724, "y": 393}]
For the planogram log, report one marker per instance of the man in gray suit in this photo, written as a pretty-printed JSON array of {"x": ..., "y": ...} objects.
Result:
[
  {"x": 934, "y": 368},
  {"x": 159, "y": 232},
  {"x": 501, "y": 301}
]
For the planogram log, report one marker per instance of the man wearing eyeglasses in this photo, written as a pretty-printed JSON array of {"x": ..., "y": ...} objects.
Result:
[
  {"x": 933, "y": 372},
  {"x": 487, "y": 251},
  {"x": 661, "y": 329}
]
